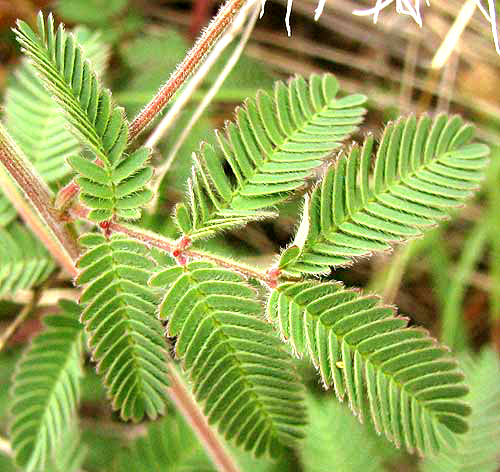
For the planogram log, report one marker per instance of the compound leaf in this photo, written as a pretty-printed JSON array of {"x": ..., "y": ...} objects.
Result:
[
  {"x": 125, "y": 337},
  {"x": 357, "y": 344},
  {"x": 245, "y": 381},
  {"x": 94, "y": 119},
  {"x": 46, "y": 389},
  {"x": 422, "y": 169},
  {"x": 269, "y": 151}
]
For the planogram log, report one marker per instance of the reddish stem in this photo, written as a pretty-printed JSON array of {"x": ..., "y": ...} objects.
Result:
[
  {"x": 185, "y": 403},
  {"x": 51, "y": 230},
  {"x": 176, "y": 249},
  {"x": 192, "y": 60},
  {"x": 151, "y": 239}
]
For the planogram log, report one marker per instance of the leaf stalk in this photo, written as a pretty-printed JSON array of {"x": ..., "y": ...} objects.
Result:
[
  {"x": 192, "y": 60},
  {"x": 45, "y": 222},
  {"x": 186, "y": 404}
]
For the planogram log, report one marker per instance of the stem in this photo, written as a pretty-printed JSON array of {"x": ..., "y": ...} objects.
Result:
[
  {"x": 185, "y": 403},
  {"x": 225, "y": 40},
  {"x": 165, "y": 244},
  {"x": 153, "y": 239},
  {"x": 194, "y": 57},
  {"x": 63, "y": 248},
  {"x": 207, "y": 99}
]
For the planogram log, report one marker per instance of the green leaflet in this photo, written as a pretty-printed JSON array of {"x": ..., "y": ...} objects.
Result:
[
  {"x": 33, "y": 117},
  {"x": 479, "y": 449},
  {"x": 24, "y": 261},
  {"x": 46, "y": 389},
  {"x": 422, "y": 169},
  {"x": 34, "y": 120},
  {"x": 246, "y": 383},
  {"x": 118, "y": 190},
  {"x": 95, "y": 120},
  {"x": 119, "y": 314},
  {"x": 58, "y": 59},
  {"x": 357, "y": 344},
  {"x": 271, "y": 149},
  {"x": 289, "y": 256}
]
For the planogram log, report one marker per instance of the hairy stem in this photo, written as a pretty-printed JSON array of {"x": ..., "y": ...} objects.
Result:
[
  {"x": 160, "y": 242},
  {"x": 44, "y": 221},
  {"x": 196, "y": 80},
  {"x": 192, "y": 60},
  {"x": 214, "y": 55},
  {"x": 186, "y": 404}
]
